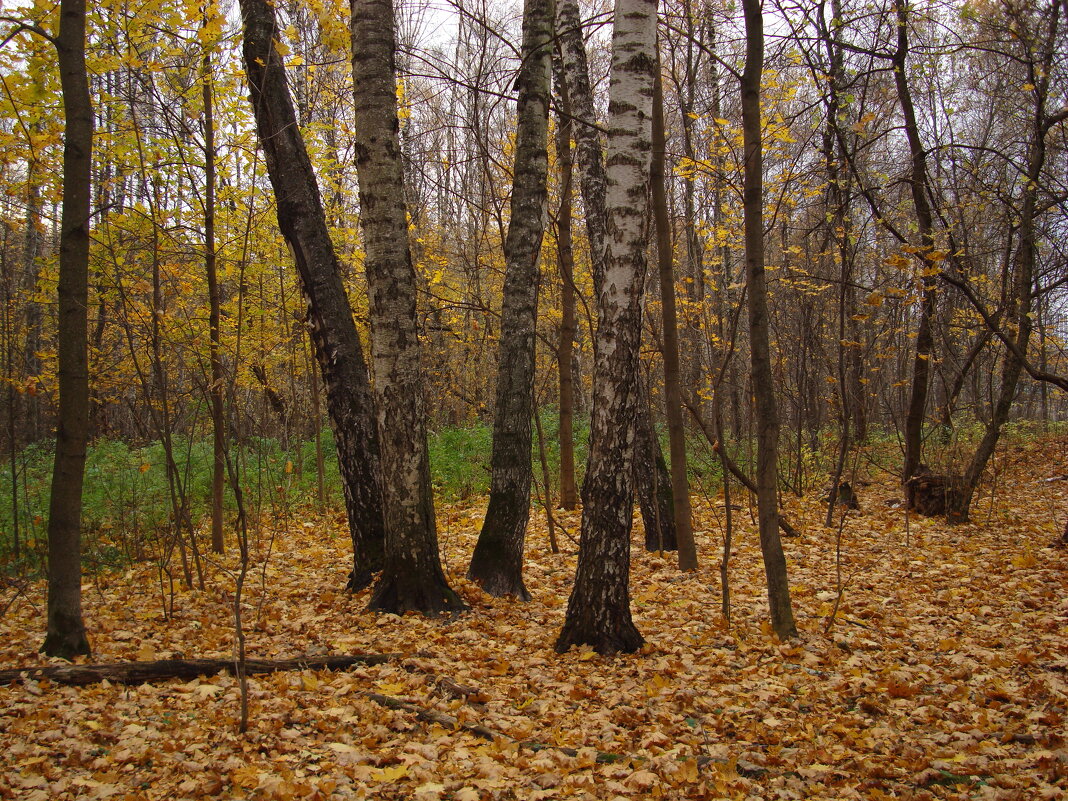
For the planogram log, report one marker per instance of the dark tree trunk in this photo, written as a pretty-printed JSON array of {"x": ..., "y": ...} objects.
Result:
[
  {"x": 1024, "y": 264},
  {"x": 66, "y": 635},
  {"x": 598, "y": 611},
  {"x": 680, "y": 486},
  {"x": 568, "y": 312},
  {"x": 412, "y": 578},
  {"x": 921, "y": 365},
  {"x": 497, "y": 563},
  {"x": 653, "y": 488},
  {"x": 333, "y": 332},
  {"x": 215, "y": 391},
  {"x": 767, "y": 416}
]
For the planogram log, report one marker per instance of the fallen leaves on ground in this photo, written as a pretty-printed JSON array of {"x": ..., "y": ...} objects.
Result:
[{"x": 942, "y": 675}]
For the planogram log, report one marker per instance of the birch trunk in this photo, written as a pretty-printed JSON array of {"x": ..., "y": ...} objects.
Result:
[
  {"x": 651, "y": 476},
  {"x": 412, "y": 578},
  {"x": 497, "y": 563},
  {"x": 598, "y": 611},
  {"x": 335, "y": 339}
]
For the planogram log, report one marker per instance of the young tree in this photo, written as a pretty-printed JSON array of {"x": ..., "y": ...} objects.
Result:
[
  {"x": 568, "y": 310},
  {"x": 920, "y": 190},
  {"x": 412, "y": 578},
  {"x": 680, "y": 488},
  {"x": 66, "y": 635},
  {"x": 767, "y": 418},
  {"x": 497, "y": 563},
  {"x": 334, "y": 335},
  {"x": 215, "y": 391},
  {"x": 598, "y": 611}
]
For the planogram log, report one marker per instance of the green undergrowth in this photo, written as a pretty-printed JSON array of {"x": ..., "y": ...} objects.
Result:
[{"x": 131, "y": 500}]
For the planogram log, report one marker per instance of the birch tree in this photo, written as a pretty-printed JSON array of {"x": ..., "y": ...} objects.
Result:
[
  {"x": 598, "y": 611},
  {"x": 412, "y": 578}
]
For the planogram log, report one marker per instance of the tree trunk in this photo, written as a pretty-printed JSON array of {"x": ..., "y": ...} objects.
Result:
[
  {"x": 680, "y": 486},
  {"x": 333, "y": 331},
  {"x": 652, "y": 481},
  {"x": 598, "y": 611},
  {"x": 66, "y": 635},
  {"x": 767, "y": 417},
  {"x": 412, "y": 578},
  {"x": 649, "y": 462},
  {"x": 215, "y": 391},
  {"x": 921, "y": 365},
  {"x": 568, "y": 312},
  {"x": 497, "y": 563},
  {"x": 1022, "y": 293}
]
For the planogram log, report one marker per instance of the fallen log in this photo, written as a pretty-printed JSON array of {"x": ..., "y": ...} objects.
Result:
[{"x": 163, "y": 669}]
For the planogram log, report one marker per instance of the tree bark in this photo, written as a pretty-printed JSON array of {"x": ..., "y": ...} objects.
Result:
[
  {"x": 164, "y": 669},
  {"x": 652, "y": 481},
  {"x": 598, "y": 611},
  {"x": 66, "y": 635},
  {"x": 333, "y": 332},
  {"x": 568, "y": 311},
  {"x": 767, "y": 417},
  {"x": 651, "y": 471},
  {"x": 497, "y": 563},
  {"x": 215, "y": 391},
  {"x": 680, "y": 486},
  {"x": 412, "y": 578},
  {"x": 921, "y": 365}
]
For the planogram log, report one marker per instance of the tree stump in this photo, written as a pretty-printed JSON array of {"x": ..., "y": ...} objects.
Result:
[
  {"x": 846, "y": 496},
  {"x": 930, "y": 494}
]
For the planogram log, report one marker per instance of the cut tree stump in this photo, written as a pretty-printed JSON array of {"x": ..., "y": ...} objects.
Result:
[
  {"x": 163, "y": 669},
  {"x": 931, "y": 494}
]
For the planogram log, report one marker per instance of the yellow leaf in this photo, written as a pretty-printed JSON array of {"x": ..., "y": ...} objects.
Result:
[
  {"x": 390, "y": 688},
  {"x": 390, "y": 774}
]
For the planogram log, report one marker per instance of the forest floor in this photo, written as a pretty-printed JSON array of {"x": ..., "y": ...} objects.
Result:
[{"x": 941, "y": 675}]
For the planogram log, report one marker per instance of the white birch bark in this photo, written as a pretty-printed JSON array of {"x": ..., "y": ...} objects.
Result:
[{"x": 598, "y": 610}]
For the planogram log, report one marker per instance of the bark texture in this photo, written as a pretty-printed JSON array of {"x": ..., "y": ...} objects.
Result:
[
  {"x": 66, "y": 635},
  {"x": 652, "y": 480},
  {"x": 767, "y": 416},
  {"x": 598, "y": 611},
  {"x": 165, "y": 669},
  {"x": 412, "y": 578},
  {"x": 215, "y": 392},
  {"x": 680, "y": 486},
  {"x": 497, "y": 563},
  {"x": 921, "y": 365},
  {"x": 333, "y": 332},
  {"x": 568, "y": 311}
]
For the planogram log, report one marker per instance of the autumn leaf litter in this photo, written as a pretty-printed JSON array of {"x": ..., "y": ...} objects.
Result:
[{"x": 943, "y": 674}]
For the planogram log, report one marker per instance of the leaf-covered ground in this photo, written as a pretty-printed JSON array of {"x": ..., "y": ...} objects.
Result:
[{"x": 943, "y": 674}]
